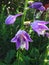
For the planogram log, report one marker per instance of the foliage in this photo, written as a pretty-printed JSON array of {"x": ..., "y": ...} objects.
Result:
[{"x": 38, "y": 53}]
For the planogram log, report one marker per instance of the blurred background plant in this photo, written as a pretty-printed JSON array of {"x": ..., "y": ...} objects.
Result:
[{"x": 38, "y": 53}]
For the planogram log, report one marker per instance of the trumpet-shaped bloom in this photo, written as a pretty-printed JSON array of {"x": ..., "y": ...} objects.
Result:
[
  {"x": 39, "y": 27},
  {"x": 22, "y": 39},
  {"x": 37, "y": 5},
  {"x": 11, "y": 19}
]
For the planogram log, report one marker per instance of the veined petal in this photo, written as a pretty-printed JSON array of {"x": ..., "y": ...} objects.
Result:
[
  {"x": 36, "y": 5},
  {"x": 42, "y": 26},
  {"x": 22, "y": 39},
  {"x": 28, "y": 37},
  {"x": 27, "y": 45},
  {"x": 11, "y": 19},
  {"x": 24, "y": 34},
  {"x": 18, "y": 44}
]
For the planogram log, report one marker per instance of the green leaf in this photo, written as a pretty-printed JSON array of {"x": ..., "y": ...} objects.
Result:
[
  {"x": 34, "y": 53},
  {"x": 1, "y": 63},
  {"x": 19, "y": 62},
  {"x": 10, "y": 56}
]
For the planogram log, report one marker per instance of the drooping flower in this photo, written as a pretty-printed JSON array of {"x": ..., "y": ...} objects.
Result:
[
  {"x": 37, "y": 5},
  {"x": 39, "y": 27},
  {"x": 11, "y": 19},
  {"x": 22, "y": 39}
]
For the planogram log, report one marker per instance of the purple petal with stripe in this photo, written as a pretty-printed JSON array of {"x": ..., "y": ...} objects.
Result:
[
  {"x": 35, "y": 5},
  {"x": 11, "y": 19},
  {"x": 18, "y": 44}
]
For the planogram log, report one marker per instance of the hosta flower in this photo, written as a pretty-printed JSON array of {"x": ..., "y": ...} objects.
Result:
[
  {"x": 11, "y": 19},
  {"x": 39, "y": 27},
  {"x": 22, "y": 39},
  {"x": 37, "y": 5}
]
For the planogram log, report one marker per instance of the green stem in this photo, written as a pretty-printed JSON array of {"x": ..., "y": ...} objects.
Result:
[
  {"x": 46, "y": 16},
  {"x": 47, "y": 12},
  {"x": 46, "y": 55},
  {"x": 24, "y": 13},
  {"x": 18, "y": 56},
  {"x": 45, "y": 59},
  {"x": 34, "y": 15}
]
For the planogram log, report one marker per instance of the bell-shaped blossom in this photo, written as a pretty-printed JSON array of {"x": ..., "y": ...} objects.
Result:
[
  {"x": 39, "y": 27},
  {"x": 22, "y": 39},
  {"x": 11, "y": 19},
  {"x": 37, "y": 5}
]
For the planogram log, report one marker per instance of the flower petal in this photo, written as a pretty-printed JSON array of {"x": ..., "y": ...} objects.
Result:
[
  {"x": 44, "y": 27},
  {"x": 24, "y": 34},
  {"x": 43, "y": 22},
  {"x": 21, "y": 39},
  {"x": 26, "y": 45},
  {"x": 18, "y": 44},
  {"x": 28, "y": 37},
  {"x": 11, "y": 19},
  {"x": 14, "y": 39},
  {"x": 36, "y": 5},
  {"x": 42, "y": 8}
]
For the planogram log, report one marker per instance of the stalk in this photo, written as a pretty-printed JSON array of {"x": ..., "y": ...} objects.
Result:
[{"x": 24, "y": 14}]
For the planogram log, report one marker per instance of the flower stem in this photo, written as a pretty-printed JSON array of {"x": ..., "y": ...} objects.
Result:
[
  {"x": 17, "y": 55},
  {"x": 46, "y": 16},
  {"x": 34, "y": 15},
  {"x": 46, "y": 56},
  {"x": 24, "y": 13}
]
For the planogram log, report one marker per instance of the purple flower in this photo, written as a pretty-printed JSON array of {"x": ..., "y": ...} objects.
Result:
[
  {"x": 37, "y": 5},
  {"x": 39, "y": 27},
  {"x": 11, "y": 19},
  {"x": 21, "y": 39}
]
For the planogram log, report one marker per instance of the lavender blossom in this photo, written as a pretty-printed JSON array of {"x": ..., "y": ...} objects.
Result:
[
  {"x": 37, "y": 5},
  {"x": 39, "y": 27},
  {"x": 22, "y": 39},
  {"x": 11, "y": 19}
]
